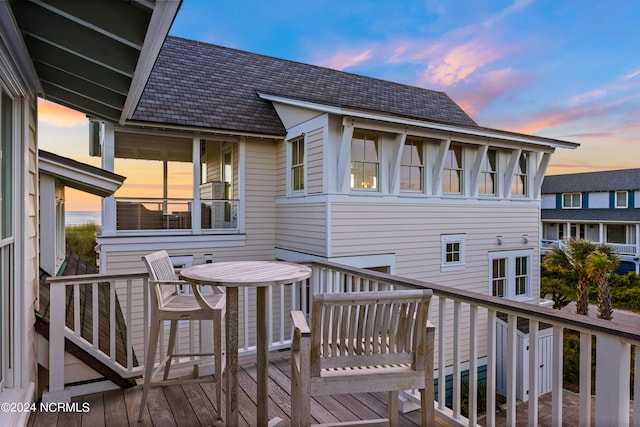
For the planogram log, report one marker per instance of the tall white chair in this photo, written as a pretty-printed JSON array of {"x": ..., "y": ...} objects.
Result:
[{"x": 168, "y": 303}]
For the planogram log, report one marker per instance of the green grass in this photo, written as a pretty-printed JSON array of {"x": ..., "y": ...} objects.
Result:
[{"x": 81, "y": 239}]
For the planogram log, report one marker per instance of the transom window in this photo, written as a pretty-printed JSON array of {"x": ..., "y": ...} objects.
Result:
[
  {"x": 519, "y": 184},
  {"x": 297, "y": 164},
  {"x": 510, "y": 274},
  {"x": 452, "y": 173},
  {"x": 571, "y": 200},
  {"x": 621, "y": 199},
  {"x": 453, "y": 251},
  {"x": 487, "y": 184},
  {"x": 364, "y": 161},
  {"x": 411, "y": 166}
]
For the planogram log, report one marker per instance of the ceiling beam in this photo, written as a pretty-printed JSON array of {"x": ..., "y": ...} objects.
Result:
[{"x": 72, "y": 100}]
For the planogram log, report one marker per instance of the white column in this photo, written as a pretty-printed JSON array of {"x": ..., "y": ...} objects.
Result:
[
  {"x": 196, "y": 212},
  {"x": 108, "y": 203}
]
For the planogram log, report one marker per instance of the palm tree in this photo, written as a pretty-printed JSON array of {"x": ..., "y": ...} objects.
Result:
[
  {"x": 600, "y": 264},
  {"x": 573, "y": 258}
]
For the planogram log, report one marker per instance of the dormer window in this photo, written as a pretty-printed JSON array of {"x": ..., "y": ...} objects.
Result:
[
  {"x": 452, "y": 173},
  {"x": 365, "y": 164},
  {"x": 622, "y": 199},
  {"x": 519, "y": 184},
  {"x": 411, "y": 167},
  {"x": 571, "y": 200}
]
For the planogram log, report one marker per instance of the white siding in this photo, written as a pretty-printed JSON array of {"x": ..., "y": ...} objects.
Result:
[
  {"x": 302, "y": 228},
  {"x": 314, "y": 161}
]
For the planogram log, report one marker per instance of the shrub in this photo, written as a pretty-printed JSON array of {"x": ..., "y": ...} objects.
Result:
[{"x": 81, "y": 239}]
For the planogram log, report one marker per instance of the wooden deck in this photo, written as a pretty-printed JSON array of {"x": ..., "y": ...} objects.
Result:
[{"x": 191, "y": 405}]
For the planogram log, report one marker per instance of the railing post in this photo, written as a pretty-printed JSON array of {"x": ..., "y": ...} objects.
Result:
[
  {"x": 56, "y": 392},
  {"x": 585, "y": 379},
  {"x": 613, "y": 359}
]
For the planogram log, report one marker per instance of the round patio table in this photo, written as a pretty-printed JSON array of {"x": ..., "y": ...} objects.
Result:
[{"x": 246, "y": 274}]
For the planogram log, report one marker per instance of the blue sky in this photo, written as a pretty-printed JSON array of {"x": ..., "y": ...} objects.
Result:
[{"x": 562, "y": 69}]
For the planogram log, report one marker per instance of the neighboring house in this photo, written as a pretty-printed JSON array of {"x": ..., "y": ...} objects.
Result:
[
  {"x": 297, "y": 162},
  {"x": 601, "y": 207},
  {"x": 81, "y": 57}
]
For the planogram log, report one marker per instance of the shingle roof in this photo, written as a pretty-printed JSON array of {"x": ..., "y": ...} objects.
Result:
[
  {"x": 204, "y": 85},
  {"x": 623, "y": 180},
  {"x": 613, "y": 215}
]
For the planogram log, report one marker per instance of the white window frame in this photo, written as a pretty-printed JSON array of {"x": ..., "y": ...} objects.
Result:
[
  {"x": 490, "y": 173},
  {"x": 521, "y": 175},
  {"x": 510, "y": 285},
  {"x": 449, "y": 170},
  {"x": 626, "y": 199},
  {"x": 366, "y": 136},
  {"x": 452, "y": 239},
  {"x": 411, "y": 166},
  {"x": 290, "y": 178},
  {"x": 571, "y": 205}
]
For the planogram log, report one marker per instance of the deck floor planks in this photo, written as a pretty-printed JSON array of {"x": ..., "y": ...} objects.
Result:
[
  {"x": 192, "y": 404},
  {"x": 114, "y": 403},
  {"x": 180, "y": 406}
]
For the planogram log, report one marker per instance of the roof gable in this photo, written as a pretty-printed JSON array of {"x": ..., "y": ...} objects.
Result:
[{"x": 202, "y": 85}]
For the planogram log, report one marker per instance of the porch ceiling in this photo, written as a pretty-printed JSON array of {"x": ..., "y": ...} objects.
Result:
[
  {"x": 153, "y": 147},
  {"x": 94, "y": 56}
]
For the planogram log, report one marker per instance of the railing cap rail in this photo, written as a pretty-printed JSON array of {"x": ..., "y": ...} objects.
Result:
[
  {"x": 568, "y": 320},
  {"x": 89, "y": 278}
]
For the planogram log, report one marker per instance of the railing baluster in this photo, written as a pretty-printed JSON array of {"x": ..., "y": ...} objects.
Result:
[
  {"x": 76, "y": 310},
  {"x": 491, "y": 368},
  {"x": 112, "y": 320},
  {"x": 556, "y": 387},
  {"x": 512, "y": 338},
  {"x": 534, "y": 372},
  {"x": 473, "y": 365},
  {"x": 129, "y": 348},
  {"x": 457, "y": 374},
  {"x": 95, "y": 312},
  {"x": 442, "y": 358},
  {"x": 585, "y": 379}
]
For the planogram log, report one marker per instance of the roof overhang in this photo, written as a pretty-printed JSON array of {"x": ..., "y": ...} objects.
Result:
[
  {"x": 94, "y": 56},
  {"x": 478, "y": 132},
  {"x": 78, "y": 175}
]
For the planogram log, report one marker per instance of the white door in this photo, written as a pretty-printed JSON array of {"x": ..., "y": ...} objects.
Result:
[{"x": 545, "y": 344}]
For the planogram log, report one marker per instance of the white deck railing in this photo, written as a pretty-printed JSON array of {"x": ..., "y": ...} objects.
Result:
[
  {"x": 465, "y": 338},
  {"x": 619, "y": 248}
]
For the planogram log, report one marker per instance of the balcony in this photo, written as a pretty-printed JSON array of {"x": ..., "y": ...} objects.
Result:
[
  {"x": 144, "y": 215},
  {"x": 466, "y": 339}
]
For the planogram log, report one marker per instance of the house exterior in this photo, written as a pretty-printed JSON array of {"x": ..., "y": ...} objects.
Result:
[
  {"x": 81, "y": 57},
  {"x": 297, "y": 162},
  {"x": 600, "y": 207}
]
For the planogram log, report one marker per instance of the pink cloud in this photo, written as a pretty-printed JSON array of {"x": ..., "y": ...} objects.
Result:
[
  {"x": 346, "y": 59},
  {"x": 58, "y": 115}
]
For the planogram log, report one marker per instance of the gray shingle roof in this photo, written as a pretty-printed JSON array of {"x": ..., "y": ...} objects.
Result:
[
  {"x": 203, "y": 85},
  {"x": 624, "y": 180},
  {"x": 613, "y": 215}
]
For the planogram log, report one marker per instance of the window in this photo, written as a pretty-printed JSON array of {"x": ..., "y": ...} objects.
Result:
[
  {"x": 297, "y": 164},
  {"x": 487, "y": 184},
  {"x": 453, "y": 252},
  {"x": 616, "y": 233},
  {"x": 519, "y": 184},
  {"x": 452, "y": 172},
  {"x": 364, "y": 161},
  {"x": 411, "y": 167},
  {"x": 571, "y": 200},
  {"x": 621, "y": 199},
  {"x": 510, "y": 274},
  {"x": 6, "y": 167}
]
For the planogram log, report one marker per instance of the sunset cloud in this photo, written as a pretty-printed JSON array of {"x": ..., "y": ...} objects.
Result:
[
  {"x": 347, "y": 59},
  {"x": 58, "y": 115}
]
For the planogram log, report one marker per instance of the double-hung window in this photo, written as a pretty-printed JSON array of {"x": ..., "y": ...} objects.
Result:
[
  {"x": 297, "y": 164},
  {"x": 453, "y": 252},
  {"x": 365, "y": 163},
  {"x": 510, "y": 274},
  {"x": 571, "y": 200},
  {"x": 622, "y": 199},
  {"x": 411, "y": 166},
  {"x": 519, "y": 184},
  {"x": 488, "y": 174},
  {"x": 452, "y": 173}
]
